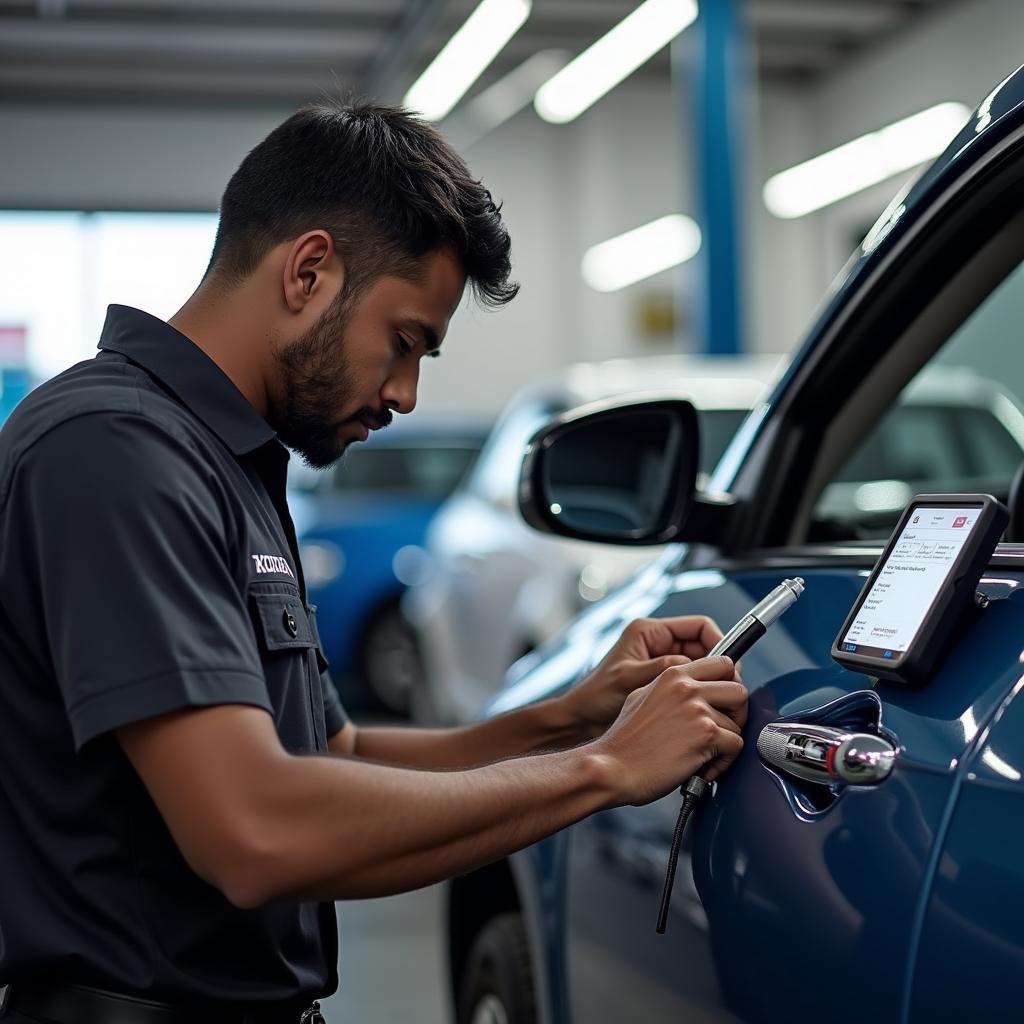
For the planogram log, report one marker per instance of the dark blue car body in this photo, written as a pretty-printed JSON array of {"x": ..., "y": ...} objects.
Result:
[{"x": 901, "y": 902}]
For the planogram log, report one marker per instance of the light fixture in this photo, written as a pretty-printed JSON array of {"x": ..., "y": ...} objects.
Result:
[
  {"x": 639, "y": 253},
  {"x": 614, "y": 57},
  {"x": 464, "y": 57},
  {"x": 864, "y": 161},
  {"x": 502, "y": 100}
]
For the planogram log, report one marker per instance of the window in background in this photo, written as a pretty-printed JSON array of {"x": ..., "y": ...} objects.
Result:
[
  {"x": 430, "y": 469},
  {"x": 957, "y": 427},
  {"x": 60, "y": 271}
]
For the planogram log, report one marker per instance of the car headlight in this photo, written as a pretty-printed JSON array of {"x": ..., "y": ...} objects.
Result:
[
  {"x": 322, "y": 562},
  {"x": 593, "y": 583},
  {"x": 882, "y": 496}
]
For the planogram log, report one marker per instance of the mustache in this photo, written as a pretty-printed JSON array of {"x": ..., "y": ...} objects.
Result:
[{"x": 376, "y": 419}]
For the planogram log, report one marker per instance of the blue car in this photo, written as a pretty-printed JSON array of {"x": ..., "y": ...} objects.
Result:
[
  {"x": 897, "y": 901},
  {"x": 361, "y": 526}
]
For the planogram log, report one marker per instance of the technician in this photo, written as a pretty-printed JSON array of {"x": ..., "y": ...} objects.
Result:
[{"x": 181, "y": 794}]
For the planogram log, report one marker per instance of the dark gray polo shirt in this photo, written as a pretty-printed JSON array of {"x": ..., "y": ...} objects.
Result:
[{"x": 147, "y": 564}]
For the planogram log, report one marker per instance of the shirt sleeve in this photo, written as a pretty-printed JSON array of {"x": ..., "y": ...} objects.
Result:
[
  {"x": 127, "y": 538},
  {"x": 334, "y": 714}
]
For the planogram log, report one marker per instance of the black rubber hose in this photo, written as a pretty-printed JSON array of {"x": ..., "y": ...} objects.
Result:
[{"x": 692, "y": 792}]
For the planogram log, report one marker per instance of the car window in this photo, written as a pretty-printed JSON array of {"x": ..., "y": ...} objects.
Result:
[
  {"x": 427, "y": 470},
  {"x": 989, "y": 446},
  {"x": 496, "y": 473},
  {"x": 717, "y": 427},
  {"x": 958, "y": 426}
]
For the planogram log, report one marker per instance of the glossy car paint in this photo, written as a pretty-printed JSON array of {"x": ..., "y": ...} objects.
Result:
[{"x": 900, "y": 902}]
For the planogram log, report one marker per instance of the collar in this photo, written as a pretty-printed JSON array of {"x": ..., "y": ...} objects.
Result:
[{"x": 184, "y": 368}]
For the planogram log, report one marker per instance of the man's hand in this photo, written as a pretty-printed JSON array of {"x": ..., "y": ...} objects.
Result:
[
  {"x": 646, "y": 648},
  {"x": 687, "y": 721}
]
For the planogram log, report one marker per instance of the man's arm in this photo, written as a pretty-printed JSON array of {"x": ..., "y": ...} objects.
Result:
[
  {"x": 261, "y": 824},
  {"x": 541, "y": 727},
  {"x": 646, "y": 648}
]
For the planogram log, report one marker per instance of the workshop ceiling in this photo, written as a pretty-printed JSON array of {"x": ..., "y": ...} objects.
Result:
[{"x": 285, "y": 52}]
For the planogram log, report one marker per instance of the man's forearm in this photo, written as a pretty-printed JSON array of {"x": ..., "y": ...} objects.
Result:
[
  {"x": 337, "y": 828},
  {"x": 545, "y": 726}
]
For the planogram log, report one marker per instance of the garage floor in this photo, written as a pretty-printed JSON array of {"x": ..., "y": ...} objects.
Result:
[{"x": 391, "y": 961}]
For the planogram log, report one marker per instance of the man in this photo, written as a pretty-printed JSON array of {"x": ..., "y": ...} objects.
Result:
[{"x": 181, "y": 794}]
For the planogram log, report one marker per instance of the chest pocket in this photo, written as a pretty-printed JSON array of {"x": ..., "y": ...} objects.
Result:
[
  {"x": 283, "y": 622},
  {"x": 290, "y": 655}
]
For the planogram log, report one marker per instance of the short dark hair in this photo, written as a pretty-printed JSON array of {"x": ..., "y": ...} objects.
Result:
[{"x": 385, "y": 183}]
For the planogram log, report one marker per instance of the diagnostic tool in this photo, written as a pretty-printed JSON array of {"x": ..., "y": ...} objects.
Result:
[
  {"x": 734, "y": 644},
  {"x": 921, "y": 587},
  {"x": 755, "y": 623}
]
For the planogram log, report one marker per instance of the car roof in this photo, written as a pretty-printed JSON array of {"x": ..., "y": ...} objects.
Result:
[
  {"x": 710, "y": 382},
  {"x": 405, "y": 429}
]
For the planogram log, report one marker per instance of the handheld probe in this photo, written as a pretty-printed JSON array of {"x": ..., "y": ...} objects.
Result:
[{"x": 733, "y": 645}]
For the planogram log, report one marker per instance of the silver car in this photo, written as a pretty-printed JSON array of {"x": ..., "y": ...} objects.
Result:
[{"x": 494, "y": 588}]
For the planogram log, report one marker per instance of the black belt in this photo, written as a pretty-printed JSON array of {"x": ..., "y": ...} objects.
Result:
[{"x": 75, "y": 1004}]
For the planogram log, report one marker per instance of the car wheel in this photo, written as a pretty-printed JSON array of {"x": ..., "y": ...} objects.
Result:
[
  {"x": 497, "y": 986},
  {"x": 390, "y": 660}
]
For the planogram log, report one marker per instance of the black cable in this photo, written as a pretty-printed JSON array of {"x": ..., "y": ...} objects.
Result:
[{"x": 692, "y": 793}]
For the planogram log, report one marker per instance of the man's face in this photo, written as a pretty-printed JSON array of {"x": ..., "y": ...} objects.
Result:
[{"x": 360, "y": 362}]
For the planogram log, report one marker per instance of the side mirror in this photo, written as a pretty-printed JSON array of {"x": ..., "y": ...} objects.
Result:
[{"x": 617, "y": 474}]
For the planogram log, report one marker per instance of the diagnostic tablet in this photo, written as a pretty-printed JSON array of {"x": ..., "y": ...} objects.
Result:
[{"x": 921, "y": 586}]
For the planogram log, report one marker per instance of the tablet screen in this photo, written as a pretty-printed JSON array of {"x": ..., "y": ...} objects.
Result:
[{"x": 909, "y": 581}]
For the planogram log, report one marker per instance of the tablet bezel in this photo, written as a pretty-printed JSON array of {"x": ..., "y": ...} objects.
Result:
[{"x": 953, "y": 599}]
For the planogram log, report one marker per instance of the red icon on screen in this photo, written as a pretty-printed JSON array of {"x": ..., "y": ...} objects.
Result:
[{"x": 959, "y": 521}]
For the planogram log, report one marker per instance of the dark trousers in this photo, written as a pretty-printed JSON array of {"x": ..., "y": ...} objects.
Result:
[{"x": 124, "y": 1011}]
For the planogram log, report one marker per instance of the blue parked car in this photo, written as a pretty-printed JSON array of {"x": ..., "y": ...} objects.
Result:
[
  {"x": 900, "y": 901},
  {"x": 360, "y": 526}
]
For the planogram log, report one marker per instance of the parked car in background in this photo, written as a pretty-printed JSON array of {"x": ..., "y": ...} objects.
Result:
[
  {"x": 361, "y": 526},
  {"x": 951, "y": 430},
  {"x": 494, "y": 589},
  {"x": 896, "y": 898}
]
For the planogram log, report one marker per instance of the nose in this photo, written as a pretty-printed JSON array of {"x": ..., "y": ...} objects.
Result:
[{"x": 399, "y": 391}]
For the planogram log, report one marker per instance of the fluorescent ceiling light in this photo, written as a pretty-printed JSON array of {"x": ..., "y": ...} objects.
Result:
[
  {"x": 503, "y": 100},
  {"x": 864, "y": 162},
  {"x": 614, "y": 57},
  {"x": 639, "y": 253},
  {"x": 465, "y": 56}
]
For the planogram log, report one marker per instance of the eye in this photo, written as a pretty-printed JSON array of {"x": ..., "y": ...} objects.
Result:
[{"x": 405, "y": 346}]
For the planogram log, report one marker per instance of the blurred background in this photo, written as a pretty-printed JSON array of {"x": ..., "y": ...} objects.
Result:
[
  {"x": 121, "y": 120},
  {"x": 681, "y": 181}
]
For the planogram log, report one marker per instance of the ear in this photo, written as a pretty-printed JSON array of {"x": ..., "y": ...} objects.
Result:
[{"x": 312, "y": 270}]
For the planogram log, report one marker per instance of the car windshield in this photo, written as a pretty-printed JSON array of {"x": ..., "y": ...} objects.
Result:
[
  {"x": 427, "y": 469},
  {"x": 717, "y": 427}
]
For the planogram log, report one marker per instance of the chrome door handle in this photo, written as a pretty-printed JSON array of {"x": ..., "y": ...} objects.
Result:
[{"x": 819, "y": 753}]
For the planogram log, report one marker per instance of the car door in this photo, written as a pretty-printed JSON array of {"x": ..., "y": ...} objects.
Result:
[
  {"x": 966, "y": 962},
  {"x": 794, "y": 898}
]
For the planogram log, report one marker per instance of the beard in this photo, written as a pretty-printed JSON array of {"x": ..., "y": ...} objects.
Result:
[{"x": 316, "y": 382}]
